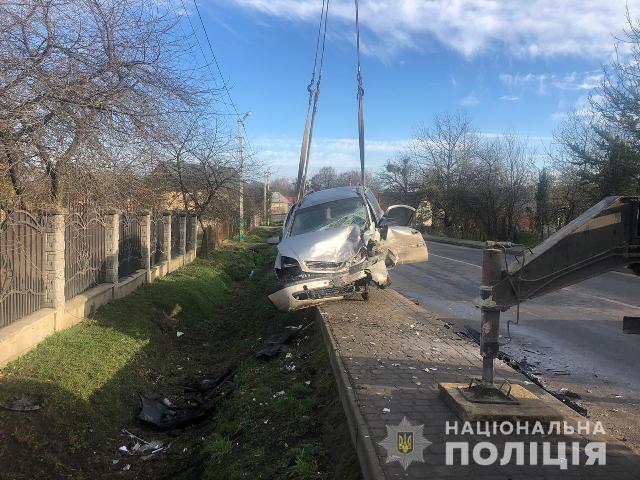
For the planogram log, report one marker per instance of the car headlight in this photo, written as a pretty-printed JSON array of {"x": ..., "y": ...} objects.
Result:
[{"x": 289, "y": 267}]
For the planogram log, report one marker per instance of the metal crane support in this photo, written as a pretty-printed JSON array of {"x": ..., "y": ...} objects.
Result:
[{"x": 605, "y": 237}]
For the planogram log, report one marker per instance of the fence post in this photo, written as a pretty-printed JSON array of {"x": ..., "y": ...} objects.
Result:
[
  {"x": 111, "y": 238},
  {"x": 182, "y": 236},
  {"x": 54, "y": 259},
  {"x": 144, "y": 220},
  {"x": 166, "y": 237},
  {"x": 194, "y": 235}
]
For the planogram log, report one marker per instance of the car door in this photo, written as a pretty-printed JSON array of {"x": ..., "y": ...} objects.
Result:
[{"x": 405, "y": 244}]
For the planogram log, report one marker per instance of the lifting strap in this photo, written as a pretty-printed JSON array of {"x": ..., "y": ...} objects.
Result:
[
  {"x": 312, "y": 108},
  {"x": 360, "y": 95}
]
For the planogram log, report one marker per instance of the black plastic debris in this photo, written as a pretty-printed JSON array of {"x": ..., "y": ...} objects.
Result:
[
  {"x": 23, "y": 403},
  {"x": 275, "y": 343},
  {"x": 570, "y": 399},
  {"x": 159, "y": 412},
  {"x": 208, "y": 386},
  {"x": 154, "y": 411},
  {"x": 269, "y": 351}
]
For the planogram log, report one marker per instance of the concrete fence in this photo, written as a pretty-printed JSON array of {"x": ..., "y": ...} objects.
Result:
[{"x": 68, "y": 258}]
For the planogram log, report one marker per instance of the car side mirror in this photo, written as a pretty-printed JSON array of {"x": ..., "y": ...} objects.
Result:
[
  {"x": 398, "y": 215},
  {"x": 275, "y": 240}
]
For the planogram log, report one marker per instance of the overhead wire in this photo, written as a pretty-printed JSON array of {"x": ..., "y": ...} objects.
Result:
[
  {"x": 215, "y": 59},
  {"x": 204, "y": 56},
  {"x": 225, "y": 87}
]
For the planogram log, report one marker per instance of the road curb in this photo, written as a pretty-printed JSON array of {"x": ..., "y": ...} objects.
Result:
[
  {"x": 360, "y": 434},
  {"x": 455, "y": 241}
]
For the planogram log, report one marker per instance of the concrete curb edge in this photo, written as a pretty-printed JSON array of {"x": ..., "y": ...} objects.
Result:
[
  {"x": 360, "y": 434},
  {"x": 454, "y": 241}
]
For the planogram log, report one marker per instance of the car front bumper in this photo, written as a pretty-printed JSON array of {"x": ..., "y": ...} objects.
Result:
[{"x": 307, "y": 293}]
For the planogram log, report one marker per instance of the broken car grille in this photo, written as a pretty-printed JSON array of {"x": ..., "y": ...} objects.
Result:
[
  {"x": 319, "y": 293},
  {"x": 315, "y": 265}
]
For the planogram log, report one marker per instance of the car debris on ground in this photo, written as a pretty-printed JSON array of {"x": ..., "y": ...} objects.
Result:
[
  {"x": 276, "y": 342},
  {"x": 159, "y": 412}
]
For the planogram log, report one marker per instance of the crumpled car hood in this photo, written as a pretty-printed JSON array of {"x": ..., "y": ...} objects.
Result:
[{"x": 338, "y": 245}]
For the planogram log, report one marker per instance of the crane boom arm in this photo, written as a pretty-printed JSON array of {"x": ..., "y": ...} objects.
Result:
[{"x": 605, "y": 237}]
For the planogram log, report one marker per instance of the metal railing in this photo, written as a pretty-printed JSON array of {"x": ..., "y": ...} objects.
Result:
[
  {"x": 84, "y": 250},
  {"x": 21, "y": 264},
  {"x": 129, "y": 244}
]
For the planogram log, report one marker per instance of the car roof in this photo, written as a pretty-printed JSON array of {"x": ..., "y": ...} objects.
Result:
[{"x": 329, "y": 195}]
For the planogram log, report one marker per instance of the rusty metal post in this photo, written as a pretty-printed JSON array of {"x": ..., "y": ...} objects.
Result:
[{"x": 492, "y": 268}]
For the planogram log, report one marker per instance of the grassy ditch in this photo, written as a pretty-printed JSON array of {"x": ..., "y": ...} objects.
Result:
[{"x": 271, "y": 421}]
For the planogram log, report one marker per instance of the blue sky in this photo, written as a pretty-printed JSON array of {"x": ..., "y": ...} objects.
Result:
[{"x": 511, "y": 65}]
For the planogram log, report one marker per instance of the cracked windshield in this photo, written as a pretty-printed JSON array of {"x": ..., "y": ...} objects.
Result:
[{"x": 330, "y": 216}]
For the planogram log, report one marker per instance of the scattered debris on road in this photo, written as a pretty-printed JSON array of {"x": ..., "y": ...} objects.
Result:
[{"x": 532, "y": 372}]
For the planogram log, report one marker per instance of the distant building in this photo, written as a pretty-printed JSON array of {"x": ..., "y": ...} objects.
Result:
[{"x": 279, "y": 208}]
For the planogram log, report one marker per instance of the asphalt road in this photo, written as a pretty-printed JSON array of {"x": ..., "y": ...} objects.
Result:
[{"x": 573, "y": 336}]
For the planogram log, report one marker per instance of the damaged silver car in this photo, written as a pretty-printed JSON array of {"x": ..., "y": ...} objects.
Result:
[{"x": 338, "y": 242}]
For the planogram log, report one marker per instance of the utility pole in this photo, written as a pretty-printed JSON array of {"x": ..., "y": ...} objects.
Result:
[
  {"x": 240, "y": 151},
  {"x": 266, "y": 191}
]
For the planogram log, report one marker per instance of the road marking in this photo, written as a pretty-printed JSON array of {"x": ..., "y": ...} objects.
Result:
[
  {"x": 454, "y": 260},
  {"x": 628, "y": 305}
]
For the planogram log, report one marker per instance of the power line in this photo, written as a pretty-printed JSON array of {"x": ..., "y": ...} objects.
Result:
[
  {"x": 217, "y": 64},
  {"x": 215, "y": 59},
  {"x": 204, "y": 56}
]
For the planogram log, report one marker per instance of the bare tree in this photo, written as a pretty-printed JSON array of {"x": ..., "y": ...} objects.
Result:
[
  {"x": 517, "y": 159},
  {"x": 400, "y": 177},
  {"x": 76, "y": 75},
  {"x": 445, "y": 152},
  {"x": 325, "y": 178}
]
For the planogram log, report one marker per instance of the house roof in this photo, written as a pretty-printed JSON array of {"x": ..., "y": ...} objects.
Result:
[{"x": 277, "y": 197}]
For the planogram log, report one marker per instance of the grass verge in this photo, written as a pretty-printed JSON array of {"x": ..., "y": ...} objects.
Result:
[{"x": 92, "y": 374}]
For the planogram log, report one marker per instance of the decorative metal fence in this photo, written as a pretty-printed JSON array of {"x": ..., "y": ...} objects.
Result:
[
  {"x": 21, "y": 264},
  {"x": 84, "y": 250},
  {"x": 175, "y": 234},
  {"x": 157, "y": 236},
  {"x": 129, "y": 244}
]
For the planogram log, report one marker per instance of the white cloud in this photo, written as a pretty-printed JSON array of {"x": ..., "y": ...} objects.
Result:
[
  {"x": 509, "y": 98},
  {"x": 528, "y": 81},
  {"x": 469, "y": 100},
  {"x": 283, "y": 154},
  {"x": 542, "y": 81},
  {"x": 580, "y": 81},
  {"x": 536, "y": 28}
]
